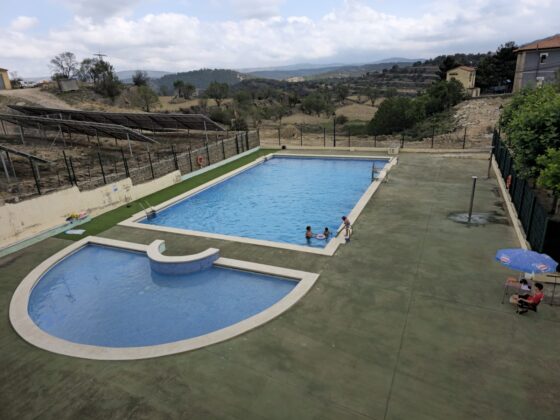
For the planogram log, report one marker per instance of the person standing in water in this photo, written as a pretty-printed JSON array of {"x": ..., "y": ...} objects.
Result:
[{"x": 308, "y": 234}]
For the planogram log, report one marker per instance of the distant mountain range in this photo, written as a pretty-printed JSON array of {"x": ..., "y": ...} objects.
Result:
[
  {"x": 314, "y": 71},
  {"x": 126, "y": 75}
]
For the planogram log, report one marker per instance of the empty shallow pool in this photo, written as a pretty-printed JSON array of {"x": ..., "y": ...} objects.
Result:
[{"x": 110, "y": 297}]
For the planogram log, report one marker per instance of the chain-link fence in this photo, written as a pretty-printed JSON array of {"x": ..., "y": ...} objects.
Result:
[{"x": 309, "y": 135}]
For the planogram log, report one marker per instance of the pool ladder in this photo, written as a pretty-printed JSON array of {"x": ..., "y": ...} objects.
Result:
[{"x": 150, "y": 211}]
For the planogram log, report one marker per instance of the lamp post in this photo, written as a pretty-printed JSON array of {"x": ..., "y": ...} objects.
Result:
[{"x": 334, "y": 128}]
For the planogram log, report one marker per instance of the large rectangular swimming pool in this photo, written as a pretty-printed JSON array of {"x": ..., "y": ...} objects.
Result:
[{"x": 276, "y": 199}]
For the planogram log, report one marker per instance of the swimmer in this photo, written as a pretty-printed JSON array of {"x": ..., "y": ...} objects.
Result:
[
  {"x": 326, "y": 233},
  {"x": 308, "y": 234}
]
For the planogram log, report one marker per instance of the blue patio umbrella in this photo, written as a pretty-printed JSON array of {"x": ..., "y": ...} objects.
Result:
[{"x": 526, "y": 260}]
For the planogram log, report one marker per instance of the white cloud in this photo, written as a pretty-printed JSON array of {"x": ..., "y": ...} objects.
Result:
[
  {"x": 355, "y": 31},
  {"x": 100, "y": 9},
  {"x": 23, "y": 23},
  {"x": 256, "y": 9}
]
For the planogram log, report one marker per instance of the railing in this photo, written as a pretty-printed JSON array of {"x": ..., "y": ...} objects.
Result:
[{"x": 532, "y": 214}]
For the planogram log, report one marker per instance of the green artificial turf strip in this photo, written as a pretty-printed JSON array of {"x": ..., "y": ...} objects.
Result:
[{"x": 113, "y": 217}]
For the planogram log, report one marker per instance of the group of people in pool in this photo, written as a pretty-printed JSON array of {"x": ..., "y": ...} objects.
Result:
[{"x": 327, "y": 233}]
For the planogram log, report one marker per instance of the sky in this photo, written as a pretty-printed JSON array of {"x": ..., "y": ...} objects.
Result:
[{"x": 182, "y": 35}]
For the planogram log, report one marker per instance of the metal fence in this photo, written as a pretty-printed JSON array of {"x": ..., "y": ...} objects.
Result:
[
  {"x": 532, "y": 214},
  {"x": 102, "y": 168}
]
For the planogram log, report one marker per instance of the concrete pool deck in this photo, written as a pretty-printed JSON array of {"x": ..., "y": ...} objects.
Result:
[{"x": 405, "y": 322}]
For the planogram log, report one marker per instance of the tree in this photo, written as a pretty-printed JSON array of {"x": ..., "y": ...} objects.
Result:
[
  {"x": 86, "y": 71},
  {"x": 531, "y": 122},
  {"x": 342, "y": 91},
  {"x": 64, "y": 66},
  {"x": 549, "y": 176},
  {"x": 106, "y": 82},
  {"x": 497, "y": 69},
  {"x": 447, "y": 64},
  {"x": 217, "y": 91},
  {"x": 15, "y": 80},
  {"x": 140, "y": 78},
  {"x": 395, "y": 115},
  {"x": 391, "y": 92},
  {"x": 145, "y": 98},
  {"x": 316, "y": 103},
  {"x": 373, "y": 94},
  {"x": 183, "y": 90}
]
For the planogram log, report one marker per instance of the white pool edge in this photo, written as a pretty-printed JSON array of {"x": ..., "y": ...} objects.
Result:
[
  {"x": 329, "y": 250},
  {"x": 30, "y": 332}
]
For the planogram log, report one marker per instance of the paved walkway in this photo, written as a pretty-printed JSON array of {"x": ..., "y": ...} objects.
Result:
[{"x": 405, "y": 322}]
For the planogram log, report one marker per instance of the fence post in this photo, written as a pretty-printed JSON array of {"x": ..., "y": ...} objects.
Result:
[
  {"x": 35, "y": 176},
  {"x": 474, "y": 178},
  {"x": 490, "y": 162},
  {"x": 349, "y": 145},
  {"x": 151, "y": 166},
  {"x": 237, "y": 142},
  {"x": 102, "y": 170},
  {"x": 531, "y": 212},
  {"x": 125, "y": 164},
  {"x": 174, "y": 157},
  {"x": 224, "y": 148},
  {"x": 73, "y": 172},
  {"x": 433, "y": 135},
  {"x": 279, "y": 142},
  {"x": 259, "y": 136},
  {"x": 465, "y": 137},
  {"x": 190, "y": 160},
  {"x": 207, "y": 153},
  {"x": 301, "y": 135},
  {"x": 402, "y": 141},
  {"x": 67, "y": 168},
  {"x": 375, "y": 140},
  {"x": 247, "y": 139}
]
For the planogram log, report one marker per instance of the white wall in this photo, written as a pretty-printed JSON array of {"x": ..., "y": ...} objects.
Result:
[{"x": 22, "y": 220}]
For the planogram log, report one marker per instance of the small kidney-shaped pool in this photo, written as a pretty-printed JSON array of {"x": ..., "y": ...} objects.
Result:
[{"x": 116, "y": 300}]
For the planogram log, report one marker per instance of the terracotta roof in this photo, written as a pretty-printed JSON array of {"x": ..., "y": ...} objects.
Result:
[
  {"x": 1, "y": 69},
  {"x": 466, "y": 68},
  {"x": 542, "y": 44}
]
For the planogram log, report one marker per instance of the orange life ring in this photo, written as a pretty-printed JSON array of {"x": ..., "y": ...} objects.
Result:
[
  {"x": 199, "y": 160},
  {"x": 508, "y": 181}
]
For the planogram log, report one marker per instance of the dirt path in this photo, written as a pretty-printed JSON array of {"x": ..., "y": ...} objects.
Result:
[{"x": 35, "y": 96}]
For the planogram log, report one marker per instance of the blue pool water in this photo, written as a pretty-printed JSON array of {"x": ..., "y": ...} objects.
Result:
[
  {"x": 109, "y": 297},
  {"x": 276, "y": 200}
]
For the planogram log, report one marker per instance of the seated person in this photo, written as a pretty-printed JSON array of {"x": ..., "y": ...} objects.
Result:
[{"x": 526, "y": 302}]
